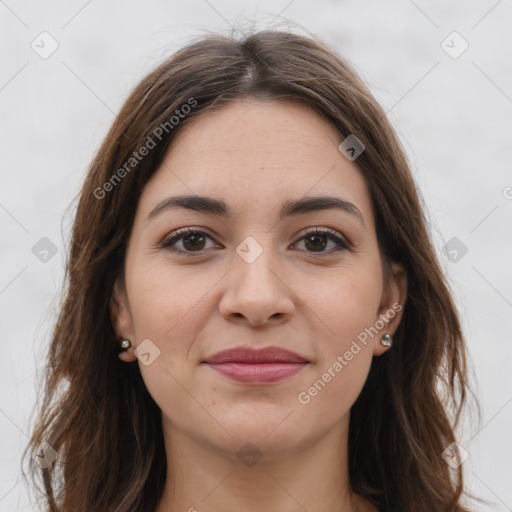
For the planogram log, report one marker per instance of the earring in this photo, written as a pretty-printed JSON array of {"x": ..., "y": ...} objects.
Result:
[
  {"x": 126, "y": 344},
  {"x": 386, "y": 340}
]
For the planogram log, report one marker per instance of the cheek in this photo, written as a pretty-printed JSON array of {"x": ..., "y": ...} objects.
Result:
[
  {"x": 345, "y": 302},
  {"x": 164, "y": 297},
  {"x": 346, "y": 306},
  {"x": 166, "y": 303}
]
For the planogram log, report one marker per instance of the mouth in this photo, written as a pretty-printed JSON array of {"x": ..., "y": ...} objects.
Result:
[{"x": 257, "y": 366}]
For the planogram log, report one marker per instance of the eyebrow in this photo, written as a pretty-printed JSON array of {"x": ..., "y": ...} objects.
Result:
[{"x": 210, "y": 205}]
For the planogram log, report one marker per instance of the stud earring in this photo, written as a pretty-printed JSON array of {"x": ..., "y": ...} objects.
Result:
[
  {"x": 126, "y": 344},
  {"x": 386, "y": 340}
]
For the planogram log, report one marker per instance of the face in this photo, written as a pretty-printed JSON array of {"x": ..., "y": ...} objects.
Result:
[{"x": 255, "y": 278}]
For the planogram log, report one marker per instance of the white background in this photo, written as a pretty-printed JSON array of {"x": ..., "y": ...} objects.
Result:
[{"x": 453, "y": 114}]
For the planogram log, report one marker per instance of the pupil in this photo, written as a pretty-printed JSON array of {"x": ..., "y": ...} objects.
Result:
[
  {"x": 199, "y": 239},
  {"x": 188, "y": 237},
  {"x": 316, "y": 237}
]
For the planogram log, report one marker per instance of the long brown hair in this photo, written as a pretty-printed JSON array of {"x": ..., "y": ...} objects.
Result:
[{"x": 95, "y": 410}]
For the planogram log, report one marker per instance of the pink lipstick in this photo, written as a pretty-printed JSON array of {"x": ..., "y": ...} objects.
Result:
[{"x": 257, "y": 366}]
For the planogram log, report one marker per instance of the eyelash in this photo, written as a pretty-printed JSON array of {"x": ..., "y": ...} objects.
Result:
[{"x": 183, "y": 232}]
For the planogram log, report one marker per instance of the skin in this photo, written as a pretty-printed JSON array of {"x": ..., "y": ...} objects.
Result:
[{"x": 255, "y": 155}]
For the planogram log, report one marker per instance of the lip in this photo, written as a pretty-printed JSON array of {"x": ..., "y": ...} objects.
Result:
[
  {"x": 272, "y": 354},
  {"x": 249, "y": 365}
]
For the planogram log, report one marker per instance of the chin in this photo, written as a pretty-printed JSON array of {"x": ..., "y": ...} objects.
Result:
[{"x": 271, "y": 436}]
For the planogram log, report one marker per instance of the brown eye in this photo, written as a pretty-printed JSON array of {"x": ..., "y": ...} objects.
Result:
[
  {"x": 192, "y": 241},
  {"x": 316, "y": 240}
]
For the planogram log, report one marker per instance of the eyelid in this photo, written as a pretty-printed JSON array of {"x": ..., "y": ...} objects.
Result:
[
  {"x": 343, "y": 244},
  {"x": 180, "y": 233}
]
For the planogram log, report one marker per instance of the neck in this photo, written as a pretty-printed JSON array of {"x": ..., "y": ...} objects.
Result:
[{"x": 314, "y": 477}]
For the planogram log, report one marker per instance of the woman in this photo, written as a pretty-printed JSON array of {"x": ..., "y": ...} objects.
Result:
[{"x": 255, "y": 318}]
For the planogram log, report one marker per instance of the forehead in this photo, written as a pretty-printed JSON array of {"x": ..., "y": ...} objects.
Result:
[{"x": 256, "y": 155}]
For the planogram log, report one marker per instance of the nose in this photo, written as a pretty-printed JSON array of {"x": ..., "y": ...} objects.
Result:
[{"x": 256, "y": 292}]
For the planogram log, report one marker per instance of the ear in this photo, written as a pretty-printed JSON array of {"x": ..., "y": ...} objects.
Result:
[
  {"x": 391, "y": 307},
  {"x": 121, "y": 319}
]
